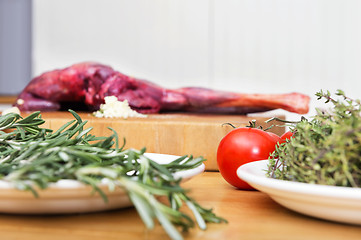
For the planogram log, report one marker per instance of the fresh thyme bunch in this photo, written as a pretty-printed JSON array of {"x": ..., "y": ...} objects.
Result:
[
  {"x": 324, "y": 150},
  {"x": 32, "y": 157}
]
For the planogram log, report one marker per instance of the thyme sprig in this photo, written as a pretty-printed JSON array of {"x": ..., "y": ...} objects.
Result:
[
  {"x": 32, "y": 157},
  {"x": 325, "y": 149}
]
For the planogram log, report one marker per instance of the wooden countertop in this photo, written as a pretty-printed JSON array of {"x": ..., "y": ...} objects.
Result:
[
  {"x": 9, "y": 99},
  {"x": 251, "y": 215}
]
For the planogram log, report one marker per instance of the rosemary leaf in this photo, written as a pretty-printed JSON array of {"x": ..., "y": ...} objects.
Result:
[{"x": 32, "y": 157}]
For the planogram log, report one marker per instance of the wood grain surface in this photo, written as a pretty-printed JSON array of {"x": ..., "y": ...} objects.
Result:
[
  {"x": 251, "y": 214},
  {"x": 177, "y": 134}
]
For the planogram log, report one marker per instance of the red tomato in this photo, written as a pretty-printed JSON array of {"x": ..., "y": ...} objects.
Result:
[
  {"x": 240, "y": 146},
  {"x": 285, "y": 136},
  {"x": 275, "y": 136}
]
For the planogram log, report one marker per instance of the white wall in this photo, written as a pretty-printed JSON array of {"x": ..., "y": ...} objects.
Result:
[{"x": 258, "y": 46}]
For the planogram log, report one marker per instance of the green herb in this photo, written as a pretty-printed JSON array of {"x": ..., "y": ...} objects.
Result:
[
  {"x": 32, "y": 157},
  {"x": 325, "y": 149}
]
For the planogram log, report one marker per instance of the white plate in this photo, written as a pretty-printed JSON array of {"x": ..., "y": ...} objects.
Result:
[
  {"x": 341, "y": 204},
  {"x": 71, "y": 196}
]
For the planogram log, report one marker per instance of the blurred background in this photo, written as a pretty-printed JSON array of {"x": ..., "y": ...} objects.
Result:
[{"x": 247, "y": 46}]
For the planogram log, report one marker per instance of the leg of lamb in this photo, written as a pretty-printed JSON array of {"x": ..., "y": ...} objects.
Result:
[{"x": 86, "y": 85}]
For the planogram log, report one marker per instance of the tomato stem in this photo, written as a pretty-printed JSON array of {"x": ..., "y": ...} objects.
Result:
[
  {"x": 282, "y": 120},
  {"x": 252, "y": 124},
  {"x": 230, "y": 124}
]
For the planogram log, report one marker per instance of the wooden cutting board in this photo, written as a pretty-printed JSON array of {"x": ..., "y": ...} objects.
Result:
[{"x": 178, "y": 134}]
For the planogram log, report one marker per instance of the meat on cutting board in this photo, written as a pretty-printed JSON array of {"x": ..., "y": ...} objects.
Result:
[{"x": 86, "y": 84}]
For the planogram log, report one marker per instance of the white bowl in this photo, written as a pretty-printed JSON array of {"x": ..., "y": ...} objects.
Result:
[
  {"x": 340, "y": 204},
  {"x": 71, "y": 196}
]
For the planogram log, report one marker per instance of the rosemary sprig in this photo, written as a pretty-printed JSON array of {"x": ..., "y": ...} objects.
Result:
[
  {"x": 32, "y": 157},
  {"x": 325, "y": 149}
]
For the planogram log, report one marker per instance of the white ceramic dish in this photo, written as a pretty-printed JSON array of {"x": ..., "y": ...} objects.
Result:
[
  {"x": 340, "y": 204},
  {"x": 70, "y": 196}
]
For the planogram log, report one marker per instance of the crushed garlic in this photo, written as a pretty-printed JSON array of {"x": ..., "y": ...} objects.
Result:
[
  {"x": 113, "y": 108},
  {"x": 11, "y": 110}
]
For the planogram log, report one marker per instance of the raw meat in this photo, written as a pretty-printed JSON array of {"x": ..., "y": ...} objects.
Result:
[{"x": 84, "y": 86}]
